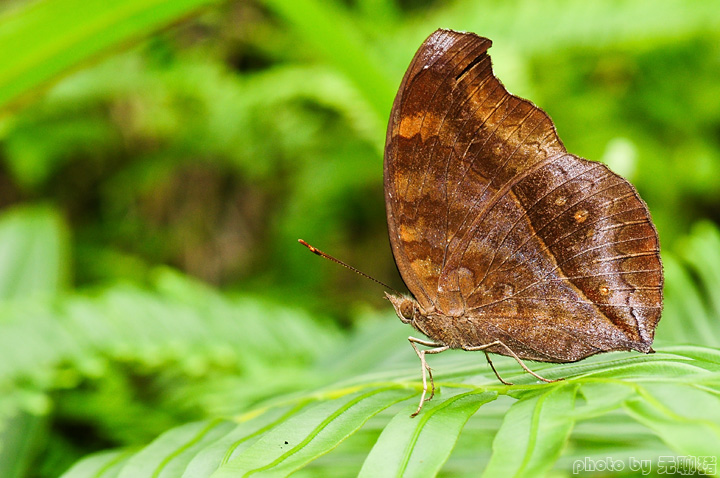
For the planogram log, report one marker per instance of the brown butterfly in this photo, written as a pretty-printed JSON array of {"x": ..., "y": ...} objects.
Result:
[{"x": 508, "y": 243}]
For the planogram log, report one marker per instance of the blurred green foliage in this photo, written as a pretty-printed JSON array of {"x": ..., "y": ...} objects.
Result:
[{"x": 143, "y": 143}]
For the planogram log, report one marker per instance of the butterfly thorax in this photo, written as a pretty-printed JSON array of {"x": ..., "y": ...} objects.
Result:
[{"x": 438, "y": 326}]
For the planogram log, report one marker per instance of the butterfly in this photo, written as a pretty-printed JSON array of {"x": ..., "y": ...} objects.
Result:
[{"x": 508, "y": 243}]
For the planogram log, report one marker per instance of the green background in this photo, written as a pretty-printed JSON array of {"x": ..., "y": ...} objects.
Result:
[{"x": 159, "y": 160}]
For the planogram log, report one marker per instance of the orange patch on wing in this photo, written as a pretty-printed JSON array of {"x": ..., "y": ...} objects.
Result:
[
  {"x": 408, "y": 234},
  {"x": 424, "y": 123},
  {"x": 426, "y": 268}
]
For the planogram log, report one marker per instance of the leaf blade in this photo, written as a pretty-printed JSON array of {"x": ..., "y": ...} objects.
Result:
[
  {"x": 311, "y": 433},
  {"x": 535, "y": 429},
  {"x": 73, "y": 31},
  {"x": 687, "y": 419},
  {"x": 420, "y": 446}
]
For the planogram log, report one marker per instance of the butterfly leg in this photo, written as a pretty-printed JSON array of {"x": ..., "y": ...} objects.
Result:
[
  {"x": 513, "y": 355},
  {"x": 487, "y": 356},
  {"x": 437, "y": 348}
]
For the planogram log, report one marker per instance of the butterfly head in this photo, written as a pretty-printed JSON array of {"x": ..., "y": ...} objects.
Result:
[
  {"x": 407, "y": 309},
  {"x": 427, "y": 322}
]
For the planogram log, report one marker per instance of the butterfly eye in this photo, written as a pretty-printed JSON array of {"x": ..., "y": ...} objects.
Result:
[{"x": 407, "y": 310}]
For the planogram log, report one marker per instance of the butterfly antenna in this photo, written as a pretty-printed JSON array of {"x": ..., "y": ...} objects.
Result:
[{"x": 320, "y": 253}]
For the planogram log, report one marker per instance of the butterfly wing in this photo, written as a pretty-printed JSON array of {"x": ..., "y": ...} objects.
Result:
[{"x": 491, "y": 219}]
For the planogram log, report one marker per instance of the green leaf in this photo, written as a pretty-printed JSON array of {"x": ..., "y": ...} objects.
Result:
[
  {"x": 106, "y": 464},
  {"x": 602, "y": 397},
  {"x": 34, "y": 256},
  {"x": 686, "y": 318},
  {"x": 420, "y": 446},
  {"x": 686, "y": 418},
  {"x": 702, "y": 251},
  {"x": 20, "y": 436},
  {"x": 167, "y": 456},
  {"x": 73, "y": 31},
  {"x": 533, "y": 433},
  {"x": 311, "y": 434},
  {"x": 244, "y": 434},
  {"x": 529, "y": 436},
  {"x": 179, "y": 323}
]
